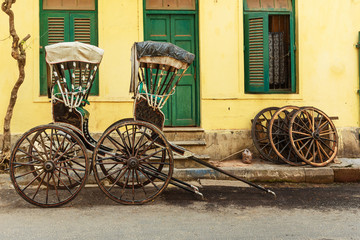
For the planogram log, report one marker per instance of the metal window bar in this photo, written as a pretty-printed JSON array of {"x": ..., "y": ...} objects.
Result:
[{"x": 279, "y": 52}]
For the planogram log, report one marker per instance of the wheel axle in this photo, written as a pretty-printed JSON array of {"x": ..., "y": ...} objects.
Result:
[{"x": 49, "y": 166}]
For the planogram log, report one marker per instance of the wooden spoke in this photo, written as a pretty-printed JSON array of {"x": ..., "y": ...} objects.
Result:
[
  {"x": 301, "y": 139},
  {"x": 124, "y": 141},
  {"x": 138, "y": 180},
  {"x": 154, "y": 154},
  {"x": 118, "y": 146},
  {"x": 303, "y": 145},
  {"x": 118, "y": 178},
  {"x": 30, "y": 172},
  {"x": 38, "y": 188},
  {"x": 112, "y": 173},
  {"x": 149, "y": 178},
  {"x": 319, "y": 151}
]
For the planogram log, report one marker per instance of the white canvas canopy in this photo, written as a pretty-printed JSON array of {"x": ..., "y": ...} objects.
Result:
[
  {"x": 73, "y": 51},
  {"x": 60, "y": 53}
]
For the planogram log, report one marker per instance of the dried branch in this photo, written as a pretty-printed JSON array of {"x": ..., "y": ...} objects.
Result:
[{"x": 19, "y": 54}]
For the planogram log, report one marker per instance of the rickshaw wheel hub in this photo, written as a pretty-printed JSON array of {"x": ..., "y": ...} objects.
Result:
[
  {"x": 133, "y": 162},
  {"x": 49, "y": 166},
  {"x": 316, "y": 135}
]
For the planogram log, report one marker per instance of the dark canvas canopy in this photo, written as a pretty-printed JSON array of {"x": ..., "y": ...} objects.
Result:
[{"x": 163, "y": 49}]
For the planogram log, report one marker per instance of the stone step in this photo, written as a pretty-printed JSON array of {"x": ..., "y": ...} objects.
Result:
[
  {"x": 184, "y": 134},
  {"x": 183, "y": 129},
  {"x": 183, "y": 162},
  {"x": 190, "y": 143},
  {"x": 194, "y": 146}
]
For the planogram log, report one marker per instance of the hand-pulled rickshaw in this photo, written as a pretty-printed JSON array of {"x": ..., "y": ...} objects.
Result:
[{"x": 132, "y": 162}]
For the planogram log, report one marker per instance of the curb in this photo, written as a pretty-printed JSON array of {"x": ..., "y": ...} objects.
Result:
[
  {"x": 294, "y": 175},
  {"x": 344, "y": 170},
  {"x": 346, "y": 174},
  {"x": 347, "y": 171}
]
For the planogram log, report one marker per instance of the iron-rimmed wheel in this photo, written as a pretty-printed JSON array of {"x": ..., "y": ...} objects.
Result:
[
  {"x": 49, "y": 165},
  {"x": 279, "y": 135},
  {"x": 313, "y": 136},
  {"x": 259, "y": 134},
  {"x": 136, "y": 164}
]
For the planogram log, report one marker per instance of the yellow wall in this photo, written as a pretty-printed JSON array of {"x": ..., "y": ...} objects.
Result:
[
  {"x": 117, "y": 32},
  {"x": 327, "y": 64}
]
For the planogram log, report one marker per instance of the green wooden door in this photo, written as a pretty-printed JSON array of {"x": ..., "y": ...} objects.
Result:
[{"x": 179, "y": 29}]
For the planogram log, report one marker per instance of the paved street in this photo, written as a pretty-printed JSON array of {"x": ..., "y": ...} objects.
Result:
[{"x": 230, "y": 211}]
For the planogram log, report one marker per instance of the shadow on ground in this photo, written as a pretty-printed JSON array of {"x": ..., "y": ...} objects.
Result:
[{"x": 334, "y": 196}]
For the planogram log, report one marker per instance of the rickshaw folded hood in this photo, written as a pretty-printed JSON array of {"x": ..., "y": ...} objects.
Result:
[
  {"x": 163, "y": 53},
  {"x": 163, "y": 49},
  {"x": 73, "y": 51}
]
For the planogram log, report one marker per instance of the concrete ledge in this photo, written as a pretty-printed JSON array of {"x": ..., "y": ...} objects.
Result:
[
  {"x": 344, "y": 170},
  {"x": 319, "y": 175},
  {"x": 260, "y": 175},
  {"x": 296, "y": 175}
]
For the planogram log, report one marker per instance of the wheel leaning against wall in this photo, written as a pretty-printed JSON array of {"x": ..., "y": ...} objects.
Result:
[
  {"x": 313, "y": 136},
  {"x": 279, "y": 135},
  {"x": 259, "y": 134}
]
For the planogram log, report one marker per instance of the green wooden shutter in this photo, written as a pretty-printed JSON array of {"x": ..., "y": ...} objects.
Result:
[
  {"x": 54, "y": 29},
  {"x": 256, "y": 52},
  {"x": 83, "y": 29}
]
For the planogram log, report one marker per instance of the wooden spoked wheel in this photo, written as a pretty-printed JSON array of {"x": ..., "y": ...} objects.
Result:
[
  {"x": 259, "y": 134},
  {"x": 279, "y": 135},
  {"x": 313, "y": 136},
  {"x": 49, "y": 166},
  {"x": 133, "y": 162}
]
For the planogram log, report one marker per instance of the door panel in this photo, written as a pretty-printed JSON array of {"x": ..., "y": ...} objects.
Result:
[
  {"x": 180, "y": 30},
  {"x": 158, "y": 28},
  {"x": 183, "y": 35}
]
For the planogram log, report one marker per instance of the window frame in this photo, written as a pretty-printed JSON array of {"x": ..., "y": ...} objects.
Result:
[
  {"x": 64, "y": 8},
  {"x": 246, "y": 8},
  {"x": 44, "y": 13},
  {"x": 265, "y": 13}
]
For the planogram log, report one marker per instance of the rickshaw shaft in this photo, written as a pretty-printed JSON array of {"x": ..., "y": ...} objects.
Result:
[{"x": 194, "y": 158}]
